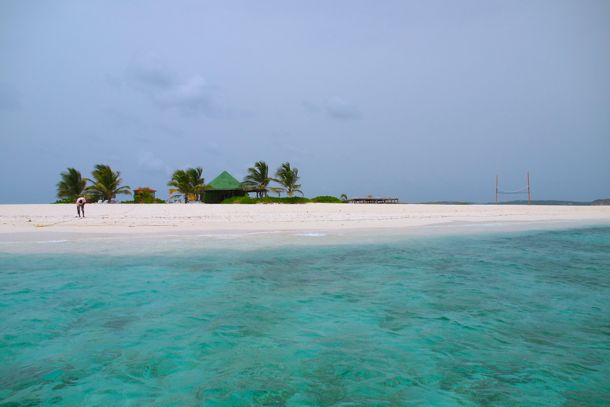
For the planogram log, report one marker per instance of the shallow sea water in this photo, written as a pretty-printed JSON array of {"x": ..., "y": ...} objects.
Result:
[{"x": 493, "y": 319}]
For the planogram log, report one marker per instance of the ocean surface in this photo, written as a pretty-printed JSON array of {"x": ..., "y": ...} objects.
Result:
[{"x": 514, "y": 319}]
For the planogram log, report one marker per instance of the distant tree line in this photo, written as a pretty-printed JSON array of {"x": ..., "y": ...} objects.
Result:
[
  {"x": 258, "y": 180},
  {"x": 105, "y": 183},
  {"x": 190, "y": 182}
]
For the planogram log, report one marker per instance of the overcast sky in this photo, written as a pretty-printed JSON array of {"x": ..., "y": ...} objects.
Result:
[{"x": 423, "y": 100}]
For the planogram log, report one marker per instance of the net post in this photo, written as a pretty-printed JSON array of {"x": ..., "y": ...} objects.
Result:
[{"x": 529, "y": 190}]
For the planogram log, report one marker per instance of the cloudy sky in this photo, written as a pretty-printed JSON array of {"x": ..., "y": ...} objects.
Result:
[{"x": 424, "y": 100}]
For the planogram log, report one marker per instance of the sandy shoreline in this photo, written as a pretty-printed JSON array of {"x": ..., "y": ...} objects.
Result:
[{"x": 28, "y": 222}]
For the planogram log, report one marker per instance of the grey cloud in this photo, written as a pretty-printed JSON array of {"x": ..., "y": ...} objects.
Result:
[
  {"x": 296, "y": 152},
  {"x": 338, "y": 108},
  {"x": 151, "y": 163},
  {"x": 121, "y": 119},
  {"x": 190, "y": 95},
  {"x": 284, "y": 142},
  {"x": 9, "y": 98},
  {"x": 136, "y": 127},
  {"x": 113, "y": 80},
  {"x": 310, "y": 107},
  {"x": 334, "y": 108},
  {"x": 150, "y": 72},
  {"x": 213, "y": 148}
]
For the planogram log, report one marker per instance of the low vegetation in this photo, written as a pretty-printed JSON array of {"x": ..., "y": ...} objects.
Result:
[
  {"x": 65, "y": 201},
  {"x": 189, "y": 185},
  {"x": 327, "y": 199},
  {"x": 146, "y": 200},
  {"x": 276, "y": 200}
]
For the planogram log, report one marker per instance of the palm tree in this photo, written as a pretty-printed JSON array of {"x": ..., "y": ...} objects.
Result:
[
  {"x": 288, "y": 178},
  {"x": 107, "y": 183},
  {"x": 258, "y": 178},
  {"x": 186, "y": 182},
  {"x": 181, "y": 184},
  {"x": 197, "y": 182},
  {"x": 277, "y": 190},
  {"x": 72, "y": 185}
]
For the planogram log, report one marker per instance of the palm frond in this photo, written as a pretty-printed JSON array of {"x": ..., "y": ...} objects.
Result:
[
  {"x": 189, "y": 181},
  {"x": 71, "y": 185},
  {"x": 258, "y": 178},
  {"x": 107, "y": 183},
  {"x": 288, "y": 177}
]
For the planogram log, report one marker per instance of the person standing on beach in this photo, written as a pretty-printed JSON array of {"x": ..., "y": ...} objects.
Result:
[{"x": 80, "y": 205}]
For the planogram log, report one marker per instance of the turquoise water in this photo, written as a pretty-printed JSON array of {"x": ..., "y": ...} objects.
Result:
[{"x": 513, "y": 319}]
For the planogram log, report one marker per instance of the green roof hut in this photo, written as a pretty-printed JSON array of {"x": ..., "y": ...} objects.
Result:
[{"x": 222, "y": 187}]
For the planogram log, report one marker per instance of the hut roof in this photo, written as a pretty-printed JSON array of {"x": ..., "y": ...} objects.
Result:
[
  {"x": 144, "y": 189},
  {"x": 226, "y": 182}
]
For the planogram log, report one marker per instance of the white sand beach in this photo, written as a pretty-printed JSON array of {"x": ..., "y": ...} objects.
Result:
[{"x": 23, "y": 222}]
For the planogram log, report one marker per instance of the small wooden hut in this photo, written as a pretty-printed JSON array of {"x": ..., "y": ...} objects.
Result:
[
  {"x": 143, "y": 195},
  {"x": 222, "y": 187}
]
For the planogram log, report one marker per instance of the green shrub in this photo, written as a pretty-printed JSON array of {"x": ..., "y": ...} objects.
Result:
[
  {"x": 290, "y": 200},
  {"x": 326, "y": 199},
  {"x": 265, "y": 200},
  {"x": 65, "y": 201},
  {"x": 146, "y": 201},
  {"x": 240, "y": 200}
]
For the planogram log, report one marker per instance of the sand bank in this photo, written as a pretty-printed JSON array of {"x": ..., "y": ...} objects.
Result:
[{"x": 37, "y": 220}]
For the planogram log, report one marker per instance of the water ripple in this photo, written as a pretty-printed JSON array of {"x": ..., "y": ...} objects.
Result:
[{"x": 514, "y": 319}]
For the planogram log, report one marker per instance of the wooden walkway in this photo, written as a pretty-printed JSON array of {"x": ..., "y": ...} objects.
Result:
[{"x": 372, "y": 200}]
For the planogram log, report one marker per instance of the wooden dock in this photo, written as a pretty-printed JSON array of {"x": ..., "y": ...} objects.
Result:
[{"x": 371, "y": 200}]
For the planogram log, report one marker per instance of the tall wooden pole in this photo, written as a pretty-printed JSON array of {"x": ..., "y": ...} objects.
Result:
[
  {"x": 529, "y": 190},
  {"x": 496, "y": 189}
]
